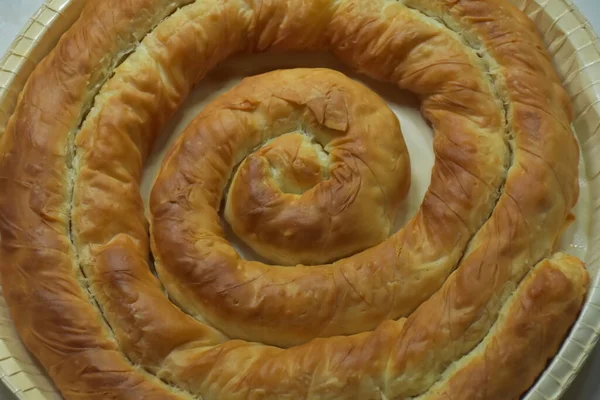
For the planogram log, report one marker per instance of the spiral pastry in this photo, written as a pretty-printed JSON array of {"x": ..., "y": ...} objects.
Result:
[{"x": 466, "y": 301}]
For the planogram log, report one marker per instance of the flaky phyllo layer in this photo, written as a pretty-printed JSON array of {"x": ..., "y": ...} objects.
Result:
[{"x": 467, "y": 301}]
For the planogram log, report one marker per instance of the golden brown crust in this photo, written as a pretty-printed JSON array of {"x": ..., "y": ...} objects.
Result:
[
  {"x": 527, "y": 335},
  {"x": 357, "y": 366},
  {"x": 491, "y": 84},
  {"x": 364, "y": 165},
  {"x": 357, "y": 293},
  {"x": 49, "y": 307}
]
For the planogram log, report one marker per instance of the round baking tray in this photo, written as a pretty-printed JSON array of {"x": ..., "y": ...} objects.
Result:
[{"x": 576, "y": 52}]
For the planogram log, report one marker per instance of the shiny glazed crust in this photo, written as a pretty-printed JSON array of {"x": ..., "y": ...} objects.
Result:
[{"x": 442, "y": 309}]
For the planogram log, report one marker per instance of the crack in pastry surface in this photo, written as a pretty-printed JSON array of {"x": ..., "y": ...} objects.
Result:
[{"x": 388, "y": 362}]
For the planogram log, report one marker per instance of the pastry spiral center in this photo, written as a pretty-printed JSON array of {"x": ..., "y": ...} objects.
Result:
[
  {"x": 294, "y": 202},
  {"x": 291, "y": 200},
  {"x": 295, "y": 162},
  {"x": 299, "y": 200}
]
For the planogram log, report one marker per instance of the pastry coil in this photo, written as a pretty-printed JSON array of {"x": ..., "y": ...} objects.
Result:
[{"x": 465, "y": 301}]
